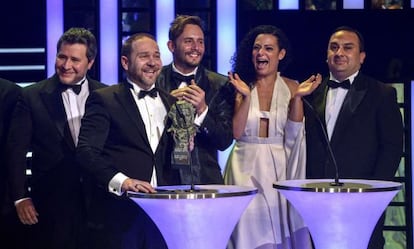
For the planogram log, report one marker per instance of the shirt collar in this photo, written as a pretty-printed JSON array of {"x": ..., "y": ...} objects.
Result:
[
  {"x": 81, "y": 81},
  {"x": 174, "y": 68},
  {"x": 136, "y": 88},
  {"x": 351, "y": 77}
]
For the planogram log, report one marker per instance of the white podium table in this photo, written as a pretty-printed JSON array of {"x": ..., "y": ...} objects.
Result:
[
  {"x": 339, "y": 217},
  {"x": 203, "y": 218}
]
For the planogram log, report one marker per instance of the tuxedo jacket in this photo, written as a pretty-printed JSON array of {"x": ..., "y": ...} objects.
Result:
[
  {"x": 367, "y": 140},
  {"x": 113, "y": 139},
  {"x": 39, "y": 125},
  {"x": 9, "y": 93},
  {"x": 216, "y": 132}
]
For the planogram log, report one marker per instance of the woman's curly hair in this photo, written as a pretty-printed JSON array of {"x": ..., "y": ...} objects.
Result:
[{"x": 242, "y": 60}]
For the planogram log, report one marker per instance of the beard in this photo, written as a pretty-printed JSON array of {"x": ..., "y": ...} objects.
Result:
[
  {"x": 141, "y": 80},
  {"x": 187, "y": 61}
]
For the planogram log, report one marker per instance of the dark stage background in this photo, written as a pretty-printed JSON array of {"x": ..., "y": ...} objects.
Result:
[{"x": 388, "y": 39}]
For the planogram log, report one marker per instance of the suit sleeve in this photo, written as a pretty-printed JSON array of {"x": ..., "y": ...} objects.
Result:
[
  {"x": 217, "y": 126},
  {"x": 18, "y": 144},
  {"x": 390, "y": 130},
  {"x": 92, "y": 137},
  {"x": 9, "y": 94}
]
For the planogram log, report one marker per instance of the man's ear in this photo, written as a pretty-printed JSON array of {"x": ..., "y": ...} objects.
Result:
[
  {"x": 90, "y": 64},
  {"x": 362, "y": 56},
  {"x": 124, "y": 62},
  {"x": 282, "y": 54},
  {"x": 171, "y": 46}
]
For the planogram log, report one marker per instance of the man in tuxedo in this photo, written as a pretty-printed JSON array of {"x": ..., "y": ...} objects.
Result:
[
  {"x": 124, "y": 146},
  {"x": 210, "y": 94},
  {"x": 10, "y": 229},
  {"x": 361, "y": 117},
  {"x": 46, "y": 122}
]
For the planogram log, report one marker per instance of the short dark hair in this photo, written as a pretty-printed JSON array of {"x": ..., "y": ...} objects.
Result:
[
  {"x": 177, "y": 26},
  {"x": 81, "y": 36},
  {"x": 127, "y": 45},
  {"x": 355, "y": 31}
]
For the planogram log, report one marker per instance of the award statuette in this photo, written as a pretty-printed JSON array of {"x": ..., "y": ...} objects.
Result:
[{"x": 183, "y": 128}]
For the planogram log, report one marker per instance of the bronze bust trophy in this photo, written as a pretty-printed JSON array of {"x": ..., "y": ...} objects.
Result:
[{"x": 183, "y": 129}]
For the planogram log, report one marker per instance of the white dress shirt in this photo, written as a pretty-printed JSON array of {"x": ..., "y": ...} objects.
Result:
[
  {"x": 334, "y": 100},
  {"x": 153, "y": 113},
  {"x": 75, "y": 107}
]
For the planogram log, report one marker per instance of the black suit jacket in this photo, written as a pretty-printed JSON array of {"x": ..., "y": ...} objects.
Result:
[
  {"x": 39, "y": 124},
  {"x": 9, "y": 93},
  {"x": 113, "y": 139},
  {"x": 367, "y": 140},
  {"x": 216, "y": 132}
]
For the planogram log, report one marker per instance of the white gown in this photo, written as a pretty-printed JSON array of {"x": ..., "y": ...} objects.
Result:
[{"x": 269, "y": 222}]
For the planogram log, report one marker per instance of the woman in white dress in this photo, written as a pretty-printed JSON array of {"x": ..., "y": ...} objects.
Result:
[{"x": 270, "y": 143}]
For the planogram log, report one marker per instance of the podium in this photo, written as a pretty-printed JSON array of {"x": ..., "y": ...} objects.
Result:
[
  {"x": 340, "y": 217},
  {"x": 201, "y": 218}
]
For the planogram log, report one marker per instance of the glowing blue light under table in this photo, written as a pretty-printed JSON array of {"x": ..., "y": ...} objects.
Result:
[
  {"x": 340, "y": 217},
  {"x": 203, "y": 218}
]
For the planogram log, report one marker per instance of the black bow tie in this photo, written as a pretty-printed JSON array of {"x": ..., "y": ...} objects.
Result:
[
  {"x": 76, "y": 88},
  {"x": 346, "y": 84},
  {"x": 152, "y": 93},
  {"x": 181, "y": 78}
]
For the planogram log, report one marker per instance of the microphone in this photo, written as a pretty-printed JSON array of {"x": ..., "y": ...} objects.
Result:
[{"x": 326, "y": 138}]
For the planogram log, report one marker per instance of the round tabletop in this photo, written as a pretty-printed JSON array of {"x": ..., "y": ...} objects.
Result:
[
  {"x": 345, "y": 186},
  {"x": 197, "y": 192}
]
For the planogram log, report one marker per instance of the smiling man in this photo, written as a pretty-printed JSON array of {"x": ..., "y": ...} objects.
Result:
[
  {"x": 362, "y": 119},
  {"x": 210, "y": 94},
  {"x": 46, "y": 122},
  {"x": 124, "y": 146}
]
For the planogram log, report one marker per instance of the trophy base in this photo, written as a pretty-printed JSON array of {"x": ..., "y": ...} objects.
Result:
[{"x": 181, "y": 158}]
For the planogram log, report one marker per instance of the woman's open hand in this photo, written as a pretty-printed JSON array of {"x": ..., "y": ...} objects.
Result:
[{"x": 308, "y": 86}]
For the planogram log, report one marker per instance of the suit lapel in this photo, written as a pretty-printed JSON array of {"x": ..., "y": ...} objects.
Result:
[
  {"x": 52, "y": 99},
  {"x": 351, "y": 103},
  {"x": 125, "y": 98},
  {"x": 165, "y": 80},
  {"x": 320, "y": 102},
  {"x": 202, "y": 80},
  {"x": 166, "y": 98},
  {"x": 93, "y": 84}
]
